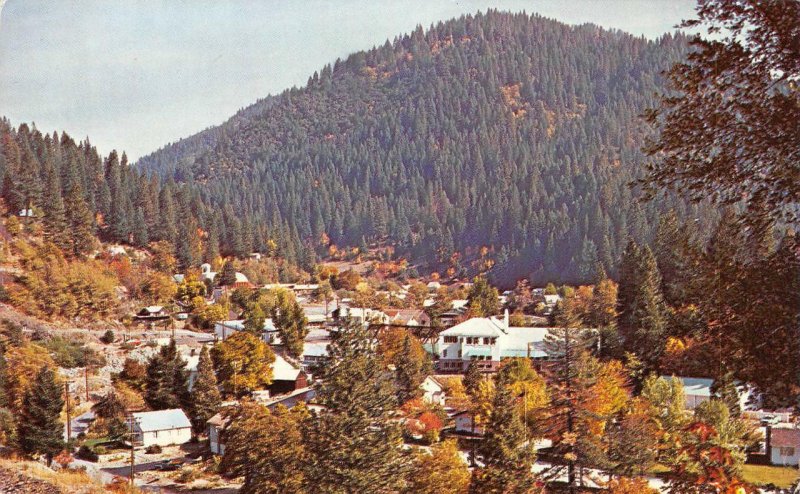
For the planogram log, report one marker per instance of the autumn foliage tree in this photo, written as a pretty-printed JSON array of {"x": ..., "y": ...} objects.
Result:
[
  {"x": 441, "y": 470},
  {"x": 266, "y": 448},
  {"x": 243, "y": 363}
]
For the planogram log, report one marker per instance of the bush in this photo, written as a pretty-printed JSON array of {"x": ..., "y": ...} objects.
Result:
[
  {"x": 108, "y": 337},
  {"x": 153, "y": 449},
  {"x": 187, "y": 475},
  {"x": 100, "y": 450},
  {"x": 88, "y": 454},
  {"x": 69, "y": 353}
]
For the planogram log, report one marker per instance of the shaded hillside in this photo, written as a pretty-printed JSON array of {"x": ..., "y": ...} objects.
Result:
[{"x": 510, "y": 135}]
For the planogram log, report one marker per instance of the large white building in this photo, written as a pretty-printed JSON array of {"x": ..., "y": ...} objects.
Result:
[{"x": 487, "y": 340}]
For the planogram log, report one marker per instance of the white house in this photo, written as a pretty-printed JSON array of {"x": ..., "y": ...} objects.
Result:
[
  {"x": 433, "y": 391},
  {"x": 486, "y": 340},
  {"x": 784, "y": 446},
  {"x": 361, "y": 315},
  {"x": 224, "y": 329},
  {"x": 463, "y": 424},
  {"x": 161, "y": 427}
]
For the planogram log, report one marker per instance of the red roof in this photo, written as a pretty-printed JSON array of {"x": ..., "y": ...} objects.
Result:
[{"x": 785, "y": 438}]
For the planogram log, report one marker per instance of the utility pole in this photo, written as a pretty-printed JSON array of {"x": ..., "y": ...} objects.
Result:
[
  {"x": 86, "y": 377},
  {"x": 235, "y": 366},
  {"x": 133, "y": 439},
  {"x": 66, "y": 399}
]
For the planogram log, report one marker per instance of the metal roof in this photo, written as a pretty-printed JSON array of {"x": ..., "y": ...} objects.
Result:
[{"x": 161, "y": 420}]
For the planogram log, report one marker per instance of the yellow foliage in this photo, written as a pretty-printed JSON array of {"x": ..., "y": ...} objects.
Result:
[
  {"x": 675, "y": 346},
  {"x": 243, "y": 363},
  {"x": 625, "y": 485},
  {"x": 22, "y": 365},
  {"x": 440, "y": 471},
  {"x": 52, "y": 287},
  {"x": 390, "y": 344}
]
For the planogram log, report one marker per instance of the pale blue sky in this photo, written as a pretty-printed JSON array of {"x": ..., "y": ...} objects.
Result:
[{"x": 138, "y": 74}]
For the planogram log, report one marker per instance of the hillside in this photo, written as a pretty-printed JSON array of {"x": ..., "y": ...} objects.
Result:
[{"x": 510, "y": 134}]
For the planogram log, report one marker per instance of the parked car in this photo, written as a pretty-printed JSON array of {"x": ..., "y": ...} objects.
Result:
[{"x": 168, "y": 465}]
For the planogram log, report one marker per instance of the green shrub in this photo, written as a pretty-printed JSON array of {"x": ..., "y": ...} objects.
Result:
[
  {"x": 86, "y": 453},
  {"x": 153, "y": 449},
  {"x": 108, "y": 337},
  {"x": 68, "y": 353}
]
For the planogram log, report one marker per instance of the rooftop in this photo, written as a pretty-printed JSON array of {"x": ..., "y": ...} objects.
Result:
[{"x": 161, "y": 420}]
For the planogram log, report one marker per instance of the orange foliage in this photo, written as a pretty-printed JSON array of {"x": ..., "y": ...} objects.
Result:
[
  {"x": 430, "y": 421},
  {"x": 625, "y": 485}
]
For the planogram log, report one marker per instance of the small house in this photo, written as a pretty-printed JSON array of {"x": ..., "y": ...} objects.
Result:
[
  {"x": 161, "y": 427},
  {"x": 218, "y": 423},
  {"x": 216, "y": 426},
  {"x": 696, "y": 390},
  {"x": 286, "y": 377},
  {"x": 433, "y": 391},
  {"x": 464, "y": 424},
  {"x": 152, "y": 313},
  {"x": 783, "y": 445},
  {"x": 224, "y": 329}
]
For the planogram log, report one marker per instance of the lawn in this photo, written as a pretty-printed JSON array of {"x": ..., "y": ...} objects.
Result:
[{"x": 762, "y": 475}]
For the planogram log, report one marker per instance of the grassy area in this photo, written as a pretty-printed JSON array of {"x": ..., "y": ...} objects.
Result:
[{"x": 762, "y": 475}]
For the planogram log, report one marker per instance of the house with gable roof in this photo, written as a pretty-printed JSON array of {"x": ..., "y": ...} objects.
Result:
[{"x": 486, "y": 340}]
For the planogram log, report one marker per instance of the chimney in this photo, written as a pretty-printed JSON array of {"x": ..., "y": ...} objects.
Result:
[{"x": 505, "y": 319}]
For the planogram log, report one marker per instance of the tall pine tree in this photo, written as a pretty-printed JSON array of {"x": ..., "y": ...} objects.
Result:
[
  {"x": 205, "y": 395},
  {"x": 355, "y": 446},
  {"x": 40, "y": 428}
]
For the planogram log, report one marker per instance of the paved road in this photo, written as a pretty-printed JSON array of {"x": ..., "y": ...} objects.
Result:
[{"x": 79, "y": 424}]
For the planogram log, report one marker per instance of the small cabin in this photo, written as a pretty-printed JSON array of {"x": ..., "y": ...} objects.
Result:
[{"x": 161, "y": 428}]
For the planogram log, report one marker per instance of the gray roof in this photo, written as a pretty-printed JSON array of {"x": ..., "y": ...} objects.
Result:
[
  {"x": 161, "y": 420},
  {"x": 696, "y": 386}
]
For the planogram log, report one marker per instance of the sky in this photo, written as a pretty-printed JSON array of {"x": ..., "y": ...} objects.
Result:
[{"x": 135, "y": 75}]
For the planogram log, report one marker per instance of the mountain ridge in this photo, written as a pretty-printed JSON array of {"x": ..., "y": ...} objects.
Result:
[{"x": 506, "y": 133}]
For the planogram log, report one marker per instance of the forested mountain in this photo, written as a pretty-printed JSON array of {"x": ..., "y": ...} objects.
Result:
[
  {"x": 81, "y": 196},
  {"x": 508, "y": 132}
]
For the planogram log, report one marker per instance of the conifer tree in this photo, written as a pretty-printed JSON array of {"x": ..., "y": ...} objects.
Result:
[
  {"x": 205, "y": 395},
  {"x": 409, "y": 371},
  {"x": 673, "y": 249},
  {"x": 228, "y": 275},
  {"x": 40, "y": 427},
  {"x": 724, "y": 389},
  {"x": 507, "y": 455},
  {"x": 354, "y": 446},
  {"x": 472, "y": 378},
  {"x": 80, "y": 221},
  {"x": 166, "y": 380},
  {"x": 290, "y": 321},
  {"x": 642, "y": 312},
  {"x": 567, "y": 344},
  {"x": 55, "y": 222}
]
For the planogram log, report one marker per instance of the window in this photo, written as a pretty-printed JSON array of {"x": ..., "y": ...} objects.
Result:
[
  {"x": 787, "y": 451},
  {"x": 444, "y": 353},
  {"x": 451, "y": 339}
]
